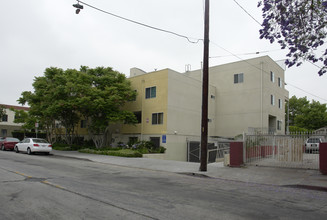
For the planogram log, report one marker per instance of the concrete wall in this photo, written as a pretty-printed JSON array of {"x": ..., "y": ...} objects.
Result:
[
  {"x": 159, "y": 79},
  {"x": 10, "y": 126},
  {"x": 185, "y": 105},
  {"x": 247, "y": 104}
]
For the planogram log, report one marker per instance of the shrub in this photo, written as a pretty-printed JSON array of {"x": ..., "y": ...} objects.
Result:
[{"x": 119, "y": 152}]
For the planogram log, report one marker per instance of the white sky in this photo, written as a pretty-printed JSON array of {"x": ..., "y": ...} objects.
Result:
[{"x": 37, "y": 34}]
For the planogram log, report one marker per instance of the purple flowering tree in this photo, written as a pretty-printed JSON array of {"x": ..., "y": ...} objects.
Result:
[{"x": 298, "y": 25}]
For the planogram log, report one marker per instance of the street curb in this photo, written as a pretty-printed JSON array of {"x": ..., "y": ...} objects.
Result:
[{"x": 308, "y": 187}]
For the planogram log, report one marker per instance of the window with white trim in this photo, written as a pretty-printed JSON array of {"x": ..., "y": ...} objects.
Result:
[
  {"x": 280, "y": 103},
  {"x": 272, "y": 76},
  {"x": 280, "y": 84},
  {"x": 150, "y": 92},
  {"x": 279, "y": 125},
  {"x": 157, "y": 118},
  {"x": 238, "y": 78},
  {"x": 272, "y": 99}
]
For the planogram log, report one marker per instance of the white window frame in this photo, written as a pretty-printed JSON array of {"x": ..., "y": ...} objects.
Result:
[
  {"x": 280, "y": 84},
  {"x": 280, "y": 103},
  {"x": 151, "y": 94},
  {"x": 272, "y": 100},
  {"x": 272, "y": 76},
  {"x": 159, "y": 120},
  {"x": 279, "y": 125},
  {"x": 238, "y": 78}
]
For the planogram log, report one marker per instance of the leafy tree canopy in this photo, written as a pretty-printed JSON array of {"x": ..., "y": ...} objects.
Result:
[
  {"x": 306, "y": 115},
  {"x": 2, "y": 111},
  {"x": 67, "y": 96},
  {"x": 300, "y": 26}
]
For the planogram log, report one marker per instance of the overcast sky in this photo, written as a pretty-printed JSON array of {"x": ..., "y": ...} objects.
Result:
[{"x": 37, "y": 34}]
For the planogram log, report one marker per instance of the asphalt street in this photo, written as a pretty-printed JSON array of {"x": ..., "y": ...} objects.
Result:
[{"x": 57, "y": 187}]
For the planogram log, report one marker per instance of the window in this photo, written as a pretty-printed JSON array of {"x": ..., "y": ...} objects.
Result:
[
  {"x": 279, "y": 125},
  {"x": 5, "y": 118},
  {"x": 157, "y": 118},
  {"x": 150, "y": 92},
  {"x": 83, "y": 123},
  {"x": 138, "y": 116},
  {"x": 238, "y": 78},
  {"x": 280, "y": 103},
  {"x": 272, "y": 99},
  {"x": 280, "y": 82},
  {"x": 4, "y": 132},
  {"x": 213, "y": 97},
  {"x": 155, "y": 141},
  {"x": 272, "y": 76}
]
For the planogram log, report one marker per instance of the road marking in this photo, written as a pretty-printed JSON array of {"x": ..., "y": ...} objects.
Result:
[
  {"x": 22, "y": 174},
  {"x": 44, "y": 181},
  {"x": 51, "y": 184}
]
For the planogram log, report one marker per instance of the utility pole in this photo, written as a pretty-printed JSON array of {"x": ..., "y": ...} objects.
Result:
[{"x": 205, "y": 88}]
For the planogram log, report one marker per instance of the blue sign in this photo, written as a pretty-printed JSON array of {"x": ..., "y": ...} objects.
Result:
[{"x": 164, "y": 139}]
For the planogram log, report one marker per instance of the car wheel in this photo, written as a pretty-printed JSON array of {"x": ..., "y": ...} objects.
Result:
[
  {"x": 2, "y": 147},
  {"x": 29, "y": 152},
  {"x": 16, "y": 149}
]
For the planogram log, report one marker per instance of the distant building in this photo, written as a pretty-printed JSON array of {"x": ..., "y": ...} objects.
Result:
[
  {"x": 243, "y": 96},
  {"x": 7, "y": 125}
]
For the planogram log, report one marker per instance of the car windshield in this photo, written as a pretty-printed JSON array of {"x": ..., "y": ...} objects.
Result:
[
  {"x": 313, "y": 140},
  {"x": 40, "y": 141},
  {"x": 12, "y": 140}
]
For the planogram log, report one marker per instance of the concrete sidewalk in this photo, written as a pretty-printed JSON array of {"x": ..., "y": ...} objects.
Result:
[{"x": 311, "y": 179}]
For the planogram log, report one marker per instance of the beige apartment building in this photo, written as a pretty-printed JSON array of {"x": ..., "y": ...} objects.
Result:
[
  {"x": 243, "y": 96},
  {"x": 7, "y": 124}
]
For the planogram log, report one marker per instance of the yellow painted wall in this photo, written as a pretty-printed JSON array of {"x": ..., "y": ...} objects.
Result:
[{"x": 159, "y": 79}]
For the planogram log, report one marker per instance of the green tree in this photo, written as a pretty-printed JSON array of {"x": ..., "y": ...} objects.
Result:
[
  {"x": 306, "y": 115},
  {"x": 2, "y": 111},
  {"x": 96, "y": 95},
  {"x": 297, "y": 106},
  {"x": 51, "y": 102},
  {"x": 101, "y": 101},
  {"x": 314, "y": 117}
]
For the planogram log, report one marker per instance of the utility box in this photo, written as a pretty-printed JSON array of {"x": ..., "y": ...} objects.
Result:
[{"x": 323, "y": 158}]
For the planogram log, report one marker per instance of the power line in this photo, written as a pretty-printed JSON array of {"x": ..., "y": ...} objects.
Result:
[
  {"x": 267, "y": 72},
  {"x": 196, "y": 40},
  {"x": 261, "y": 26},
  {"x": 250, "y": 53},
  {"x": 247, "y": 12}
]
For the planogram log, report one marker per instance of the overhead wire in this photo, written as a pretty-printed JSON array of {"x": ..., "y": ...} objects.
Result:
[
  {"x": 250, "y": 53},
  {"x": 268, "y": 73},
  {"x": 195, "y": 41}
]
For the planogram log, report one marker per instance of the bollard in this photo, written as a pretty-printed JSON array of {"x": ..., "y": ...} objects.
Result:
[
  {"x": 236, "y": 154},
  {"x": 323, "y": 158}
]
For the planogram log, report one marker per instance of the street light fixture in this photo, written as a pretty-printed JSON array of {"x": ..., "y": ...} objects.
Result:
[{"x": 78, "y": 6}]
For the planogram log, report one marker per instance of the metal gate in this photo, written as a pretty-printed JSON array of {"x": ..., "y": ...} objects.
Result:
[
  {"x": 215, "y": 151},
  {"x": 280, "y": 151}
]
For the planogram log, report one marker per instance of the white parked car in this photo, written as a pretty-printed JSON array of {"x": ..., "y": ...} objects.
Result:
[
  {"x": 312, "y": 144},
  {"x": 33, "y": 145}
]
